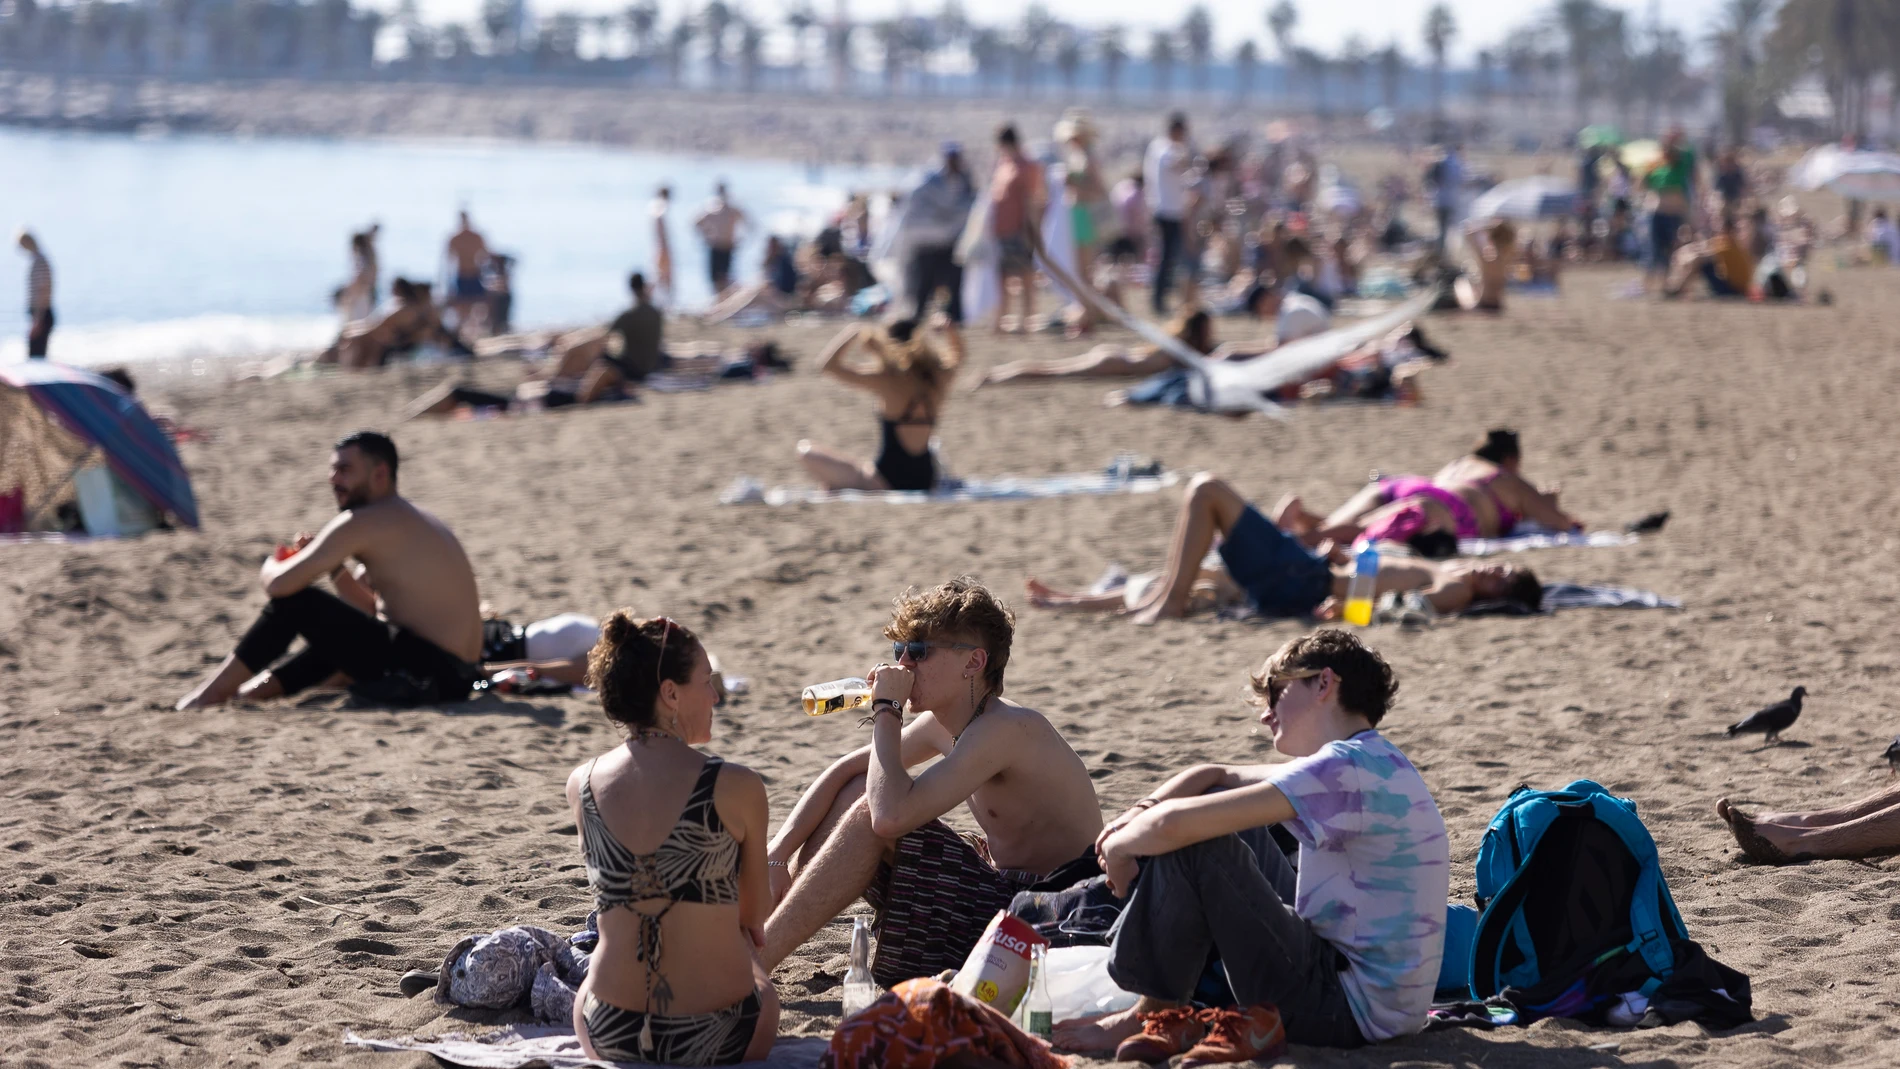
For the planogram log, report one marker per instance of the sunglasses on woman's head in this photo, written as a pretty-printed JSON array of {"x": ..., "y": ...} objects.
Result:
[
  {"x": 666, "y": 632},
  {"x": 917, "y": 651}
]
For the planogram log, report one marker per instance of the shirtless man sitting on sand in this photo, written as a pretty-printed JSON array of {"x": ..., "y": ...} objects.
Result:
[
  {"x": 1277, "y": 573},
  {"x": 407, "y": 624},
  {"x": 868, "y": 827}
]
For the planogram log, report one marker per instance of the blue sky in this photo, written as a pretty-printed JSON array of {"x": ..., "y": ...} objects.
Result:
[{"x": 1323, "y": 23}]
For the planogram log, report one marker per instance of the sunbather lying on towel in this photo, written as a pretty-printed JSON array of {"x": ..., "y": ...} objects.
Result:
[
  {"x": 1479, "y": 495},
  {"x": 1276, "y": 573},
  {"x": 1866, "y": 828},
  {"x": 407, "y": 622}
]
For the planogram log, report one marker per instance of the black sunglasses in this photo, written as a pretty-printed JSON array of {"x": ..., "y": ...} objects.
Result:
[{"x": 917, "y": 651}]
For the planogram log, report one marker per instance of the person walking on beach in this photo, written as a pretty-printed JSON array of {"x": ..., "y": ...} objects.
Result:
[
  {"x": 405, "y": 627},
  {"x": 468, "y": 251},
  {"x": 718, "y": 226},
  {"x": 1165, "y": 182},
  {"x": 39, "y": 296},
  {"x": 934, "y": 216},
  {"x": 358, "y": 299},
  {"x": 1448, "y": 183},
  {"x": 1016, "y": 194},
  {"x": 662, "y": 248},
  {"x": 869, "y": 827},
  {"x": 1339, "y": 951}
]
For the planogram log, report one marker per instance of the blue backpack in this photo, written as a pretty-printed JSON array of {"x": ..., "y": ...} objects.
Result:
[{"x": 1568, "y": 882}]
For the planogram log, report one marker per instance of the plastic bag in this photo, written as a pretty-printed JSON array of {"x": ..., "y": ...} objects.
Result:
[
  {"x": 1079, "y": 984},
  {"x": 997, "y": 970}
]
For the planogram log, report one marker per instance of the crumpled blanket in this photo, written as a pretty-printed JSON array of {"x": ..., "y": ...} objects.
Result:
[
  {"x": 919, "y": 1023},
  {"x": 532, "y": 1046},
  {"x": 500, "y": 969}
]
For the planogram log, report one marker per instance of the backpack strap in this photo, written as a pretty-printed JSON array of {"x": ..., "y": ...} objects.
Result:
[{"x": 1652, "y": 929}]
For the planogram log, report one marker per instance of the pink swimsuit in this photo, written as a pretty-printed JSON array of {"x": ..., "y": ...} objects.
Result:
[{"x": 1401, "y": 524}]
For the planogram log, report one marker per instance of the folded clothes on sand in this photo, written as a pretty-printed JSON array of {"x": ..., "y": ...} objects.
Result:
[
  {"x": 1578, "y": 596},
  {"x": 1002, "y": 487},
  {"x": 528, "y": 1046}
]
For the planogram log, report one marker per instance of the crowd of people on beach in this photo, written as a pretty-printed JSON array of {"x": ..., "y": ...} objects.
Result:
[{"x": 1319, "y": 884}]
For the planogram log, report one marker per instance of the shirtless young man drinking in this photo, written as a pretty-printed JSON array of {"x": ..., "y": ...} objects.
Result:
[
  {"x": 868, "y": 827},
  {"x": 408, "y": 620},
  {"x": 1277, "y": 573}
]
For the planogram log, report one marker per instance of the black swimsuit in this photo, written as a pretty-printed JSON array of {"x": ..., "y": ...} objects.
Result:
[
  {"x": 698, "y": 862},
  {"x": 900, "y": 467}
]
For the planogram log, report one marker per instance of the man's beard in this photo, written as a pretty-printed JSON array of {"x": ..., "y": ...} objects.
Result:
[{"x": 353, "y": 499}]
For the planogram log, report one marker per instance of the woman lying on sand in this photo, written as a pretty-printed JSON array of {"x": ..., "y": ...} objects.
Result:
[
  {"x": 911, "y": 381},
  {"x": 676, "y": 977},
  {"x": 1277, "y": 574},
  {"x": 1194, "y": 329},
  {"x": 1480, "y": 495},
  {"x": 1863, "y": 829}
]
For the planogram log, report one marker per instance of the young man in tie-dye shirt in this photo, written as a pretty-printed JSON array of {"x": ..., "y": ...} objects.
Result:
[{"x": 1341, "y": 952}]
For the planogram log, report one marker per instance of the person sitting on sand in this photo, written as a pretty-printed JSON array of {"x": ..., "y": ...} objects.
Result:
[
  {"x": 1194, "y": 328},
  {"x": 1275, "y": 572},
  {"x": 1722, "y": 261},
  {"x": 777, "y": 292},
  {"x": 407, "y": 625},
  {"x": 1494, "y": 241},
  {"x": 1480, "y": 495},
  {"x": 411, "y": 321},
  {"x": 911, "y": 381},
  {"x": 1863, "y": 829},
  {"x": 868, "y": 827},
  {"x": 1339, "y": 951},
  {"x": 676, "y": 977}
]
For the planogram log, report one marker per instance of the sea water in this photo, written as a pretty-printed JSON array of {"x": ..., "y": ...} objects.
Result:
[{"x": 183, "y": 246}]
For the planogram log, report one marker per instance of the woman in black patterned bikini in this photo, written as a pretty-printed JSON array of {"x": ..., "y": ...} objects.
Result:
[{"x": 676, "y": 978}]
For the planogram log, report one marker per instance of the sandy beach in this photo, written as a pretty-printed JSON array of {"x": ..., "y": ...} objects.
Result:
[{"x": 239, "y": 887}]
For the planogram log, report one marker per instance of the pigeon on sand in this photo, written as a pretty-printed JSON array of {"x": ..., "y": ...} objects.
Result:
[
  {"x": 1893, "y": 756},
  {"x": 1773, "y": 720}
]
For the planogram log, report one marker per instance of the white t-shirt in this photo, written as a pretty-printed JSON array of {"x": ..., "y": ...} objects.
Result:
[
  {"x": 1301, "y": 317},
  {"x": 1165, "y": 173},
  {"x": 1374, "y": 875},
  {"x": 561, "y": 638}
]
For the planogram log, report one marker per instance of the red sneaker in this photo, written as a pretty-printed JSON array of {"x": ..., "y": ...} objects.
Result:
[
  {"x": 1164, "y": 1034},
  {"x": 1238, "y": 1035}
]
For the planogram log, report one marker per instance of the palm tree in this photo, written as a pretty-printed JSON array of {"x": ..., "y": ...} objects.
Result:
[
  {"x": 751, "y": 49},
  {"x": 1391, "y": 73},
  {"x": 1353, "y": 56},
  {"x": 990, "y": 54},
  {"x": 1312, "y": 66},
  {"x": 1033, "y": 37},
  {"x": 715, "y": 20},
  {"x": 1197, "y": 36},
  {"x": 1111, "y": 52},
  {"x": 1440, "y": 28},
  {"x": 889, "y": 34},
  {"x": 799, "y": 19},
  {"x": 838, "y": 51},
  {"x": 1484, "y": 67},
  {"x": 1246, "y": 63},
  {"x": 677, "y": 42},
  {"x": 1281, "y": 19},
  {"x": 1736, "y": 36},
  {"x": 1161, "y": 61},
  {"x": 1581, "y": 22},
  {"x": 1069, "y": 57}
]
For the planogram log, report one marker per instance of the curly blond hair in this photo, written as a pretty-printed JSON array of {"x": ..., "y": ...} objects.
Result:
[{"x": 962, "y": 608}]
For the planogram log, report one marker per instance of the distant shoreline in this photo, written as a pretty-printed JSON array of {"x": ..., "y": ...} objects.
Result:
[{"x": 801, "y": 128}]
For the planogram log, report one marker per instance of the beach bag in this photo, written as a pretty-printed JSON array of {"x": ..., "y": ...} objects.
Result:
[{"x": 1570, "y": 885}]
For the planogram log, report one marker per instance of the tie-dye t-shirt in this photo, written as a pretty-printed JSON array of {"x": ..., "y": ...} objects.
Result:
[{"x": 1374, "y": 875}]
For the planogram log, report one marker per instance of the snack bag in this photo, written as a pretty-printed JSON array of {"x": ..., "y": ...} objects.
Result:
[{"x": 997, "y": 970}]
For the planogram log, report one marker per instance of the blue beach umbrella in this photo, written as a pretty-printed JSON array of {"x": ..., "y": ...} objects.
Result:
[
  {"x": 1527, "y": 199},
  {"x": 99, "y": 413}
]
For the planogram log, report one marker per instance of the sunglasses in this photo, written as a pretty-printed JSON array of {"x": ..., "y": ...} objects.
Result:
[
  {"x": 666, "y": 632},
  {"x": 1277, "y": 685},
  {"x": 917, "y": 651}
]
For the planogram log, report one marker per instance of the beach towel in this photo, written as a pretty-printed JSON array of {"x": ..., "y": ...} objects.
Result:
[
  {"x": 919, "y": 1023},
  {"x": 1531, "y": 536},
  {"x": 528, "y": 1046},
  {"x": 1562, "y": 595},
  {"x": 748, "y": 491}
]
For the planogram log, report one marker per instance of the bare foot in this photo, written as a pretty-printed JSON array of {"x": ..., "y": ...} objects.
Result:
[
  {"x": 1041, "y": 594},
  {"x": 1044, "y": 596},
  {"x": 1094, "y": 1035},
  {"x": 1754, "y": 841}
]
